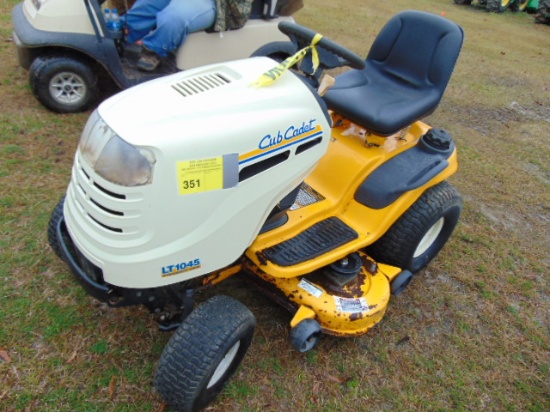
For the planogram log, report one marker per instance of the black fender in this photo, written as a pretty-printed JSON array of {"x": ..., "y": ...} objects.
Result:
[{"x": 407, "y": 171}]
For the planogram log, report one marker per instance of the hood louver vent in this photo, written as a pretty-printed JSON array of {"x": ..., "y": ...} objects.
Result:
[{"x": 200, "y": 84}]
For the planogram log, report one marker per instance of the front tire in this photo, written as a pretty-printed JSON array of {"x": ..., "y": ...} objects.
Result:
[
  {"x": 422, "y": 231},
  {"x": 57, "y": 215},
  {"x": 203, "y": 353},
  {"x": 63, "y": 84}
]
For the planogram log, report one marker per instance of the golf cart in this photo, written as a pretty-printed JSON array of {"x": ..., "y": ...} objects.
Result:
[
  {"x": 328, "y": 201},
  {"x": 68, "y": 48}
]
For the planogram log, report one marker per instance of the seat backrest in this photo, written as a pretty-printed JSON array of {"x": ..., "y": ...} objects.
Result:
[
  {"x": 417, "y": 48},
  {"x": 406, "y": 72}
]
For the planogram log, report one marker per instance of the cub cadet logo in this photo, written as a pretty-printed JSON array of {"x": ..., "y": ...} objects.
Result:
[
  {"x": 181, "y": 267},
  {"x": 289, "y": 134}
]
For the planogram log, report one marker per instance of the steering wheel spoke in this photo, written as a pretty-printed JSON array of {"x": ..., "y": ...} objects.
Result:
[{"x": 331, "y": 54}]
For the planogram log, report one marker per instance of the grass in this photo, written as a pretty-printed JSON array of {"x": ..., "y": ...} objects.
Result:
[{"x": 470, "y": 333}]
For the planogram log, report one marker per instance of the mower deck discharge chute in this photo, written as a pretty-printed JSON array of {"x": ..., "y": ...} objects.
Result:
[{"x": 328, "y": 202}]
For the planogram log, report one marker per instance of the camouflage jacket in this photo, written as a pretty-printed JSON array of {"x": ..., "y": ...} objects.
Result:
[{"x": 232, "y": 14}]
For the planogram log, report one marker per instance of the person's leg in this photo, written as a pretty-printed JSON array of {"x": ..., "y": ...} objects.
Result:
[
  {"x": 176, "y": 21},
  {"x": 142, "y": 18}
]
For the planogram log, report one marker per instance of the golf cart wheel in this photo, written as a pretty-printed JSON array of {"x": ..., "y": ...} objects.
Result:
[
  {"x": 305, "y": 335},
  {"x": 422, "y": 231},
  {"x": 203, "y": 353},
  {"x": 57, "y": 215},
  {"x": 63, "y": 84}
]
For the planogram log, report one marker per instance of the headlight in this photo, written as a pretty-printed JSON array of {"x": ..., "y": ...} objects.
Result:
[{"x": 113, "y": 158}]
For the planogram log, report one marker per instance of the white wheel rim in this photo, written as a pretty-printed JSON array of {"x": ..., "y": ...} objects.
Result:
[
  {"x": 224, "y": 364},
  {"x": 429, "y": 238},
  {"x": 67, "y": 88}
]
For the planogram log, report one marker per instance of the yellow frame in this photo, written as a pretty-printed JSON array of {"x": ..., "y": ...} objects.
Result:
[{"x": 352, "y": 155}]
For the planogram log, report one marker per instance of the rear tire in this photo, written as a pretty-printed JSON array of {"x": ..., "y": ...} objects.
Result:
[
  {"x": 63, "y": 84},
  {"x": 422, "y": 231},
  {"x": 203, "y": 353}
]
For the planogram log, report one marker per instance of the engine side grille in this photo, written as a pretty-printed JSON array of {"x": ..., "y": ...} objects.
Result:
[
  {"x": 104, "y": 208},
  {"x": 200, "y": 84}
]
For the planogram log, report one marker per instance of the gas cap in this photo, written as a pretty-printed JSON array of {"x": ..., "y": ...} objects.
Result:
[{"x": 438, "y": 139}]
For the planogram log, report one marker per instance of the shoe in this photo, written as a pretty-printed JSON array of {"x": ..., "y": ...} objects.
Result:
[{"x": 148, "y": 61}]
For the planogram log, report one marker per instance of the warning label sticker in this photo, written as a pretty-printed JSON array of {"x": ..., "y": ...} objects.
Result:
[
  {"x": 310, "y": 288},
  {"x": 306, "y": 196},
  {"x": 351, "y": 305}
]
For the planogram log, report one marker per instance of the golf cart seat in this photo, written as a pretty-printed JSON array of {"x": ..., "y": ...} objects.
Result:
[{"x": 407, "y": 70}]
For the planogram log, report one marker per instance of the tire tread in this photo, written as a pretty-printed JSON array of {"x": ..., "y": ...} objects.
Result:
[
  {"x": 394, "y": 247},
  {"x": 195, "y": 346}
]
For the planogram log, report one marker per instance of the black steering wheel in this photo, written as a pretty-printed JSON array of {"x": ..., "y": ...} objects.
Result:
[{"x": 331, "y": 54}]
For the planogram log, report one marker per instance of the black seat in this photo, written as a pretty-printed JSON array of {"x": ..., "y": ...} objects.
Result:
[{"x": 407, "y": 70}]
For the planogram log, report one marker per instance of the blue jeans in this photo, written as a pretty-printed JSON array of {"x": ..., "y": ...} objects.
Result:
[{"x": 164, "y": 24}]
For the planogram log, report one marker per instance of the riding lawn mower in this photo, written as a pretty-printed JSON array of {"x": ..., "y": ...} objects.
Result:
[
  {"x": 327, "y": 197},
  {"x": 499, "y": 6}
]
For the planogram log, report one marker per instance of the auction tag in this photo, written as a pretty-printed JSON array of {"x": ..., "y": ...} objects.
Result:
[{"x": 204, "y": 175}]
